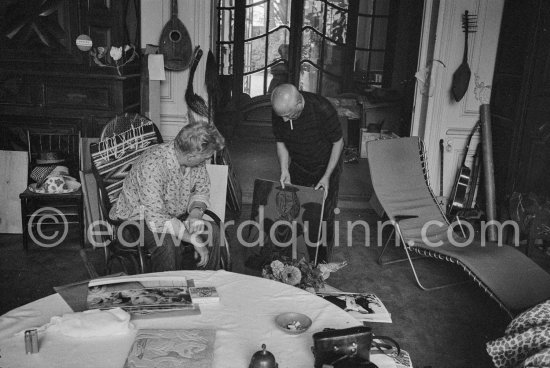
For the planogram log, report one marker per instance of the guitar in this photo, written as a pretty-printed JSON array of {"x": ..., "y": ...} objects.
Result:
[
  {"x": 476, "y": 168},
  {"x": 441, "y": 200},
  {"x": 457, "y": 199},
  {"x": 175, "y": 43}
]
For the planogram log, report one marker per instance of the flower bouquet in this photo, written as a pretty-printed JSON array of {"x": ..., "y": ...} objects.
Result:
[{"x": 300, "y": 273}]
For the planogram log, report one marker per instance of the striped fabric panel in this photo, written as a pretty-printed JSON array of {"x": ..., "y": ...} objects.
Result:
[
  {"x": 113, "y": 156},
  {"x": 107, "y": 156}
]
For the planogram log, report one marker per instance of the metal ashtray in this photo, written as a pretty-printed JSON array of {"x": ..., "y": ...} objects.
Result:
[{"x": 293, "y": 323}]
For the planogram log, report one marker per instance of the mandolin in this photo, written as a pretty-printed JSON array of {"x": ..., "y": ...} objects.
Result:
[
  {"x": 175, "y": 43},
  {"x": 457, "y": 199},
  {"x": 461, "y": 77}
]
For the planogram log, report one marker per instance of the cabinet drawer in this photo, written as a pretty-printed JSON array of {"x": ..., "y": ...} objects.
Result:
[
  {"x": 78, "y": 96},
  {"x": 16, "y": 90}
]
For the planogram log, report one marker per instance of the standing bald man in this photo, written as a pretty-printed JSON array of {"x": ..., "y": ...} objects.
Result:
[{"x": 309, "y": 146}]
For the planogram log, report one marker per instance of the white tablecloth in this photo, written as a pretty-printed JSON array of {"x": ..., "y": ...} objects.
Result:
[{"x": 244, "y": 320}]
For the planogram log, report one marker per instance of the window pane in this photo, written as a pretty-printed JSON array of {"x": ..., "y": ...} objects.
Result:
[
  {"x": 226, "y": 59},
  {"x": 254, "y": 54},
  {"x": 379, "y": 33},
  {"x": 278, "y": 45},
  {"x": 334, "y": 58},
  {"x": 331, "y": 86},
  {"x": 253, "y": 84},
  {"x": 369, "y": 66},
  {"x": 227, "y": 24},
  {"x": 361, "y": 61},
  {"x": 278, "y": 74},
  {"x": 337, "y": 21},
  {"x": 255, "y": 23},
  {"x": 227, "y": 3},
  {"x": 311, "y": 46},
  {"x": 279, "y": 13},
  {"x": 313, "y": 14},
  {"x": 308, "y": 78},
  {"x": 339, "y": 3},
  {"x": 377, "y": 61},
  {"x": 382, "y": 7},
  {"x": 365, "y": 6},
  {"x": 363, "y": 32}
]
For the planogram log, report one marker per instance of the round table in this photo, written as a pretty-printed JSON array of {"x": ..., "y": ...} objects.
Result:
[{"x": 243, "y": 320}]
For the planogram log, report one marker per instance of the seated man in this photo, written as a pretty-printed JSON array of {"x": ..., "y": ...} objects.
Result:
[{"x": 167, "y": 184}]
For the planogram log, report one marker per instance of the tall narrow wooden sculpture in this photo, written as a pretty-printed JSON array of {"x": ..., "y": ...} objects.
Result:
[{"x": 488, "y": 170}]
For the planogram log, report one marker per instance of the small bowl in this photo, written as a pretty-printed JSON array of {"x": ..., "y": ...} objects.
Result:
[{"x": 283, "y": 321}]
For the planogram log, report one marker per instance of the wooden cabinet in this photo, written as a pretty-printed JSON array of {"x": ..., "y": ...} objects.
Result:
[
  {"x": 47, "y": 83},
  {"x": 521, "y": 100}
]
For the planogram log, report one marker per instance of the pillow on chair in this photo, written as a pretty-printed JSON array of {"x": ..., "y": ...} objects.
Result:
[{"x": 113, "y": 156}]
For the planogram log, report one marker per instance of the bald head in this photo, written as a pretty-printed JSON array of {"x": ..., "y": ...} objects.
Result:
[{"x": 287, "y": 102}]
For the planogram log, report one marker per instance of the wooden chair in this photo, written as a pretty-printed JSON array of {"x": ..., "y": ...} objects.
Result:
[{"x": 41, "y": 210}]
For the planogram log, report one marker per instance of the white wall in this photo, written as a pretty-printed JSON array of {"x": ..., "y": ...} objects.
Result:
[
  {"x": 196, "y": 17},
  {"x": 436, "y": 114}
]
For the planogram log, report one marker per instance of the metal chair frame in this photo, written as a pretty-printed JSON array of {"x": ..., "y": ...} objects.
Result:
[{"x": 450, "y": 257}]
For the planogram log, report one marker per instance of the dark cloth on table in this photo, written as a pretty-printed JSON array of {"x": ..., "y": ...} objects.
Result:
[{"x": 309, "y": 143}]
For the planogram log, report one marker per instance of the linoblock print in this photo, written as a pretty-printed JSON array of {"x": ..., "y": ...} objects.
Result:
[
  {"x": 290, "y": 219},
  {"x": 172, "y": 349}
]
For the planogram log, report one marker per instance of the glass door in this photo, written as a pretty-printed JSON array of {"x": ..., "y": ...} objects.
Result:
[{"x": 323, "y": 46}]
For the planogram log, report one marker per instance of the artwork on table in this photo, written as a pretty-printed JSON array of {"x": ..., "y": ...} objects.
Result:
[
  {"x": 172, "y": 348},
  {"x": 142, "y": 295},
  {"x": 365, "y": 307},
  {"x": 290, "y": 218}
]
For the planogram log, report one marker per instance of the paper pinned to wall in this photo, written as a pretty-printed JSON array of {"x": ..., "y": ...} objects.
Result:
[{"x": 156, "y": 67}]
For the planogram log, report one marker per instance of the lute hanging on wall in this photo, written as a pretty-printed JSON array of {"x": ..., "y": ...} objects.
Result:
[
  {"x": 461, "y": 77},
  {"x": 175, "y": 43}
]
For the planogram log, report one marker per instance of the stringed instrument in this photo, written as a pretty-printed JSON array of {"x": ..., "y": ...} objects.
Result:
[
  {"x": 462, "y": 75},
  {"x": 476, "y": 169},
  {"x": 457, "y": 199},
  {"x": 175, "y": 43},
  {"x": 441, "y": 200}
]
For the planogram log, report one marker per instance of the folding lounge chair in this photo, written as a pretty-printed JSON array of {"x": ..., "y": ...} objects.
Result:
[{"x": 400, "y": 181}]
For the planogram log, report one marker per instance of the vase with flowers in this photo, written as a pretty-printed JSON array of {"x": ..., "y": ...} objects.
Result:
[{"x": 300, "y": 273}]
